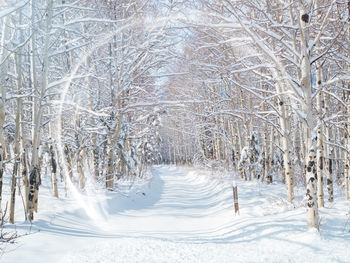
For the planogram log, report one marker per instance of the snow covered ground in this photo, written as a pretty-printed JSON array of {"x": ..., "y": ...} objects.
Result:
[{"x": 181, "y": 215}]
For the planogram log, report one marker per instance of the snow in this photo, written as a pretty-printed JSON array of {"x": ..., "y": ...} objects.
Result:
[{"x": 180, "y": 215}]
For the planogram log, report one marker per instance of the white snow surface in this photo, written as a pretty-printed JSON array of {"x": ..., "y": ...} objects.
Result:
[{"x": 180, "y": 215}]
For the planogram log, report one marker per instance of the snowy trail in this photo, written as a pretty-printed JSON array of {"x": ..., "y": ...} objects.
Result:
[
  {"x": 184, "y": 216},
  {"x": 185, "y": 208}
]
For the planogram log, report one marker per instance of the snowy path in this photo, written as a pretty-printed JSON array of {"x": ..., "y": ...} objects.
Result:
[
  {"x": 183, "y": 217},
  {"x": 185, "y": 209}
]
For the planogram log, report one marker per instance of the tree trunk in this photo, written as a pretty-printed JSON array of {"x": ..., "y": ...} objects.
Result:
[
  {"x": 1, "y": 175},
  {"x": 13, "y": 190},
  {"x": 312, "y": 209},
  {"x": 25, "y": 177},
  {"x": 34, "y": 182},
  {"x": 328, "y": 156},
  {"x": 81, "y": 178},
  {"x": 347, "y": 154},
  {"x": 34, "y": 178},
  {"x": 286, "y": 147},
  {"x": 53, "y": 171},
  {"x": 265, "y": 164},
  {"x": 320, "y": 147},
  {"x": 17, "y": 160},
  {"x": 339, "y": 156},
  {"x": 328, "y": 164},
  {"x": 311, "y": 197},
  {"x": 3, "y": 58},
  {"x": 269, "y": 172},
  {"x": 111, "y": 157}
]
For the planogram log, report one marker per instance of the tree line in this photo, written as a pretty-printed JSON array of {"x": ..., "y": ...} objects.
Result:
[
  {"x": 269, "y": 83},
  {"x": 75, "y": 77}
]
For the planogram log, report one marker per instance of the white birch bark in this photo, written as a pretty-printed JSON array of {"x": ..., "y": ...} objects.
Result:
[
  {"x": 346, "y": 153},
  {"x": 3, "y": 67},
  {"x": 244, "y": 141},
  {"x": 239, "y": 127},
  {"x": 39, "y": 94},
  {"x": 18, "y": 124},
  {"x": 347, "y": 134},
  {"x": 53, "y": 171},
  {"x": 328, "y": 161},
  {"x": 1, "y": 175},
  {"x": 339, "y": 155},
  {"x": 34, "y": 174},
  {"x": 285, "y": 143},
  {"x": 265, "y": 165},
  {"x": 320, "y": 146},
  {"x": 269, "y": 172},
  {"x": 240, "y": 142},
  {"x": 311, "y": 195},
  {"x": 320, "y": 166}
]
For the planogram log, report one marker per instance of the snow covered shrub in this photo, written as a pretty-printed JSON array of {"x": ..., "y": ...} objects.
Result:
[
  {"x": 276, "y": 166},
  {"x": 251, "y": 162}
]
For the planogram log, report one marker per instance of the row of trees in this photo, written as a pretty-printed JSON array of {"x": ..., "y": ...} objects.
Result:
[
  {"x": 78, "y": 87},
  {"x": 271, "y": 86}
]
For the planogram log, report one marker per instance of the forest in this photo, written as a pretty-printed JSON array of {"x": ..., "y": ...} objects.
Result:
[{"x": 102, "y": 92}]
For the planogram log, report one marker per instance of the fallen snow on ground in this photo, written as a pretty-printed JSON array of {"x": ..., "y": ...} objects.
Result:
[{"x": 180, "y": 215}]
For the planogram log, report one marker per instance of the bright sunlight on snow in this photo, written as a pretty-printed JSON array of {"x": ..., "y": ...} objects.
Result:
[{"x": 181, "y": 215}]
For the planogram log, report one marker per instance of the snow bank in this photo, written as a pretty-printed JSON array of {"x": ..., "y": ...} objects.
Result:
[{"x": 184, "y": 215}]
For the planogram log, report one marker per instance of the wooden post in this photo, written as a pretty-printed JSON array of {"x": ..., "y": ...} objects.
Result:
[{"x": 235, "y": 199}]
